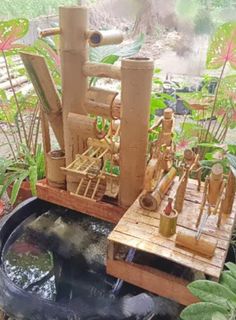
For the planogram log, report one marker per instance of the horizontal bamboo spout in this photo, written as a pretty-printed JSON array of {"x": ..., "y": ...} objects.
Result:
[{"x": 91, "y": 69}]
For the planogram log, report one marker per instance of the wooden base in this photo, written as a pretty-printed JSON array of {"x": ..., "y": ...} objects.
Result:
[
  {"x": 98, "y": 209},
  {"x": 153, "y": 280}
]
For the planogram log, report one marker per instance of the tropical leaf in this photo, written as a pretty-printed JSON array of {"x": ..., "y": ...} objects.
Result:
[
  {"x": 10, "y": 31},
  {"x": 231, "y": 266},
  {"x": 228, "y": 281},
  {"x": 223, "y": 47},
  {"x": 209, "y": 291},
  {"x": 101, "y": 54},
  {"x": 228, "y": 87},
  {"x": 202, "y": 311},
  {"x": 218, "y": 316}
]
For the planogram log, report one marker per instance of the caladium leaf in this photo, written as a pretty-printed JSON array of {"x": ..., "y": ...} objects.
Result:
[
  {"x": 228, "y": 87},
  {"x": 223, "y": 47},
  {"x": 10, "y": 31}
]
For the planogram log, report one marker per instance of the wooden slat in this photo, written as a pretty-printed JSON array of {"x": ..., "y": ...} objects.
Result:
[
  {"x": 100, "y": 210},
  {"x": 153, "y": 280},
  {"x": 161, "y": 251}
]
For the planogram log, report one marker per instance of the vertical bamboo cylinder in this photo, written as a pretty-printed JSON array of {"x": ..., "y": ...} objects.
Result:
[
  {"x": 74, "y": 53},
  {"x": 227, "y": 203},
  {"x": 136, "y": 85},
  {"x": 55, "y": 177},
  {"x": 168, "y": 223},
  {"x": 215, "y": 181}
]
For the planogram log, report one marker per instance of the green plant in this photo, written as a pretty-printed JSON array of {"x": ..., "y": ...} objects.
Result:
[
  {"x": 218, "y": 300},
  {"x": 21, "y": 135},
  {"x": 28, "y": 166}
]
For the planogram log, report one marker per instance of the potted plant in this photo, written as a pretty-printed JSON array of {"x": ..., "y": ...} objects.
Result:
[{"x": 20, "y": 169}]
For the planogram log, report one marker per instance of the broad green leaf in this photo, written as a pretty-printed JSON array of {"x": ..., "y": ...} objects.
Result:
[
  {"x": 223, "y": 47},
  {"x": 10, "y": 31},
  {"x": 202, "y": 311},
  {"x": 209, "y": 291},
  {"x": 98, "y": 54},
  {"x": 228, "y": 280},
  {"x": 231, "y": 266},
  {"x": 17, "y": 184},
  {"x": 228, "y": 87},
  {"x": 218, "y": 316}
]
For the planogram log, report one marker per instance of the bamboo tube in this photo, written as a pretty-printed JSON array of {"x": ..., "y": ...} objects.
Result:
[
  {"x": 151, "y": 201},
  {"x": 55, "y": 177},
  {"x": 92, "y": 69},
  {"x": 135, "y": 96},
  {"x": 203, "y": 246},
  {"x": 168, "y": 223},
  {"x": 74, "y": 53},
  {"x": 49, "y": 32},
  {"x": 227, "y": 203},
  {"x": 106, "y": 37},
  {"x": 44, "y": 86},
  {"x": 100, "y": 102},
  {"x": 84, "y": 126},
  {"x": 215, "y": 181}
]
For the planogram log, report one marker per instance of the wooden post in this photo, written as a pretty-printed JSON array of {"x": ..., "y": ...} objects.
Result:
[
  {"x": 74, "y": 53},
  {"x": 136, "y": 85},
  {"x": 215, "y": 181}
]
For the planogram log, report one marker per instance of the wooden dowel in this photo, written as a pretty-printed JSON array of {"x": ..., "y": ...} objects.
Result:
[
  {"x": 92, "y": 69},
  {"x": 215, "y": 182},
  {"x": 49, "y": 32}
]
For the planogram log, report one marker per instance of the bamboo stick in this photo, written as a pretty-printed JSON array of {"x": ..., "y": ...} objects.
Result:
[
  {"x": 49, "y": 32},
  {"x": 215, "y": 182},
  {"x": 106, "y": 37},
  {"x": 74, "y": 53},
  {"x": 92, "y": 69},
  {"x": 227, "y": 203},
  {"x": 135, "y": 93}
]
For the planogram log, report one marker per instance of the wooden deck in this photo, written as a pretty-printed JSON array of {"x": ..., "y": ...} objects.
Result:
[{"x": 139, "y": 229}]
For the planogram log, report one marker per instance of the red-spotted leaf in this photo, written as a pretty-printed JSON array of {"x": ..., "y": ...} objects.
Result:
[
  {"x": 10, "y": 31},
  {"x": 223, "y": 47},
  {"x": 228, "y": 88}
]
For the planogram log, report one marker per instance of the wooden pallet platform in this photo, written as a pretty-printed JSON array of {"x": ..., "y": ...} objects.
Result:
[
  {"x": 98, "y": 209},
  {"x": 139, "y": 229}
]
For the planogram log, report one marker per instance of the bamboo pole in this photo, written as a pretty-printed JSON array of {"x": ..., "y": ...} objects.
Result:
[
  {"x": 215, "y": 182},
  {"x": 92, "y": 69},
  {"x": 136, "y": 88},
  {"x": 49, "y": 32},
  {"x": 74, "y": 53},
  {"x": 227, "y": 203}
]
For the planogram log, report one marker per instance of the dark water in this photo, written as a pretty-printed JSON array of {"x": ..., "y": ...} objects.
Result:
[
  {"x": 42, "y": 267},
  {"x": 60, "y": 256}
]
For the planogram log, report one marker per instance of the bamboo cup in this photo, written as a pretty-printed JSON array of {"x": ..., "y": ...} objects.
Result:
[
  {"x": 168, "y": 223},
  {"x": 136, "y": 85},
  {"x": 55, "y": 177}
]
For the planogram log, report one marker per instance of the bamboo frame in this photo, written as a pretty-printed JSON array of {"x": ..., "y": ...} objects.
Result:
[
  {"x": 92, "y": 69},
  {"x": 74, "y": 53}
]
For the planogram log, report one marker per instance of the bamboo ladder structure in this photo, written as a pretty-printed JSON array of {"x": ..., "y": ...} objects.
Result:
[{"x": 136, "y": 80}]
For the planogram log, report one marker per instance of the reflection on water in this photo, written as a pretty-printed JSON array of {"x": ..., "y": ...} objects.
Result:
[{"x": 60, "y": 257}]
